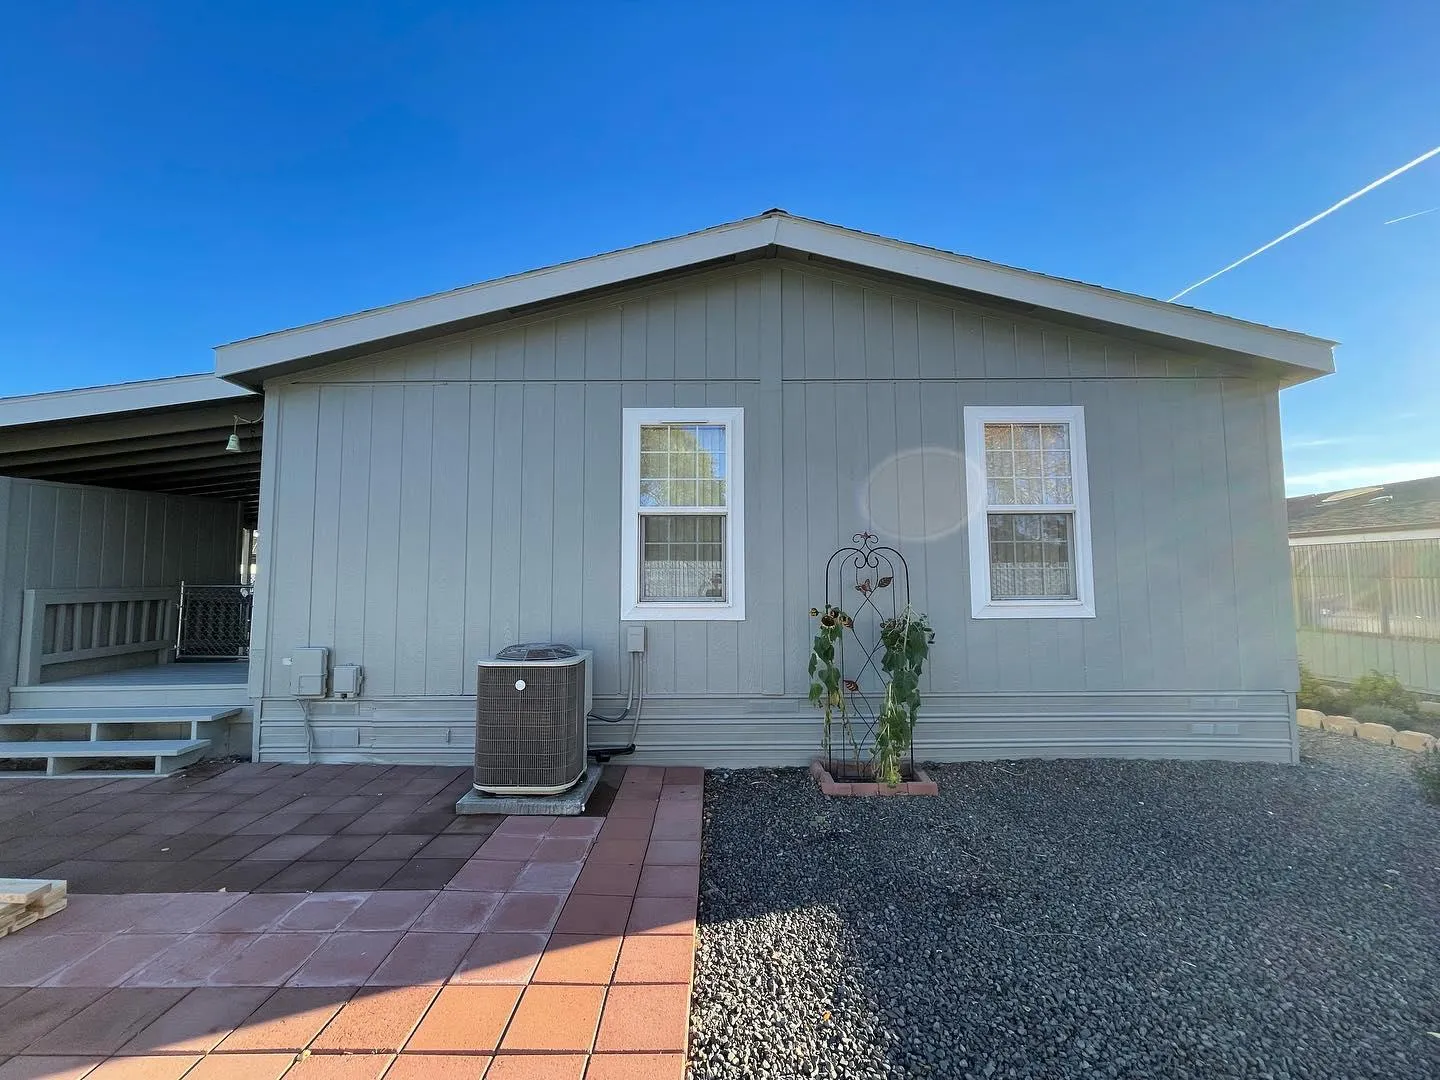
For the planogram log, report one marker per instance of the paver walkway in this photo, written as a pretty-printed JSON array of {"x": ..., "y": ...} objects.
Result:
[{"x": 563, "y": 948}]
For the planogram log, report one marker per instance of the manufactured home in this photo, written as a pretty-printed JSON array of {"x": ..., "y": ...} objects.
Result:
[{"x": 1086, "y": 487}]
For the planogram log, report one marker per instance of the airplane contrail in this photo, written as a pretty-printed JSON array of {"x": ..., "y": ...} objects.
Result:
[
  {"x": 1306, "y": 224},
  {"x": 1407, "y": 217}
]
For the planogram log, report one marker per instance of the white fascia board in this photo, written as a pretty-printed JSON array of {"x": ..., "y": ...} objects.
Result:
[
  {"x": 1311, "y": 356},
  {"x": 1057, "y": 294},
  {"x": 96, "y": 401},
  {"x": 487, "y": 298}
]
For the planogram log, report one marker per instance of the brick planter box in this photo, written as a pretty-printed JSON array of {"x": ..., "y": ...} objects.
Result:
[{"x": 921, "y": 784}]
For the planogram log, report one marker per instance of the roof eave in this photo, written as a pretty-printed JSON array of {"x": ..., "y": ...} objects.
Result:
[{"x": 119, "y": 398}]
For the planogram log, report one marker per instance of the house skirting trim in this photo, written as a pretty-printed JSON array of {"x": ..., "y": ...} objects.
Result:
[{"x": 735, "y": 732}]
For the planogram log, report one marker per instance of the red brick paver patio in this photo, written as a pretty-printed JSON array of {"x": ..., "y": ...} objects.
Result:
[{"x": 563, "y": 948}]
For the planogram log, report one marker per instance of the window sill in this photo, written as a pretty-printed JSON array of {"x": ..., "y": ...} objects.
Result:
[
  {"x": 1035, "y": 609},
  {"x": 683, "y": 613}
]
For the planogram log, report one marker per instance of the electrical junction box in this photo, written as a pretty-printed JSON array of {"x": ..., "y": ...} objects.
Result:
[
  {"x": 309, "y": 671},
  {"x": 635, "y": 639},
  {"x": 346, "y": 679}
]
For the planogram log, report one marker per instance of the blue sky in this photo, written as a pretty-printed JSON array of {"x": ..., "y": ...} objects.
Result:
[{"x": 173, "y": 176}]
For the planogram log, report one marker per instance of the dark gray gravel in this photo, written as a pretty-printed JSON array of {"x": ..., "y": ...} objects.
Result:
[{"x": 1075, "y": 919}]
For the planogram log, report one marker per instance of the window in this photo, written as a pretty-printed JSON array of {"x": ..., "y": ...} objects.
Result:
[
  {"x": 1029, "y": 514},
  {"x": 683, "y": 541}
]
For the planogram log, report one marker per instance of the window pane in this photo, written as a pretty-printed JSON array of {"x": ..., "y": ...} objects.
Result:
[
  {"x": 682, "y": 558},
  {"x": 1037, "y": 567},
  {"x": 999, "y": 464},
  {"x": 673, "y": 457},
  {"x": 998, "y": 437}
]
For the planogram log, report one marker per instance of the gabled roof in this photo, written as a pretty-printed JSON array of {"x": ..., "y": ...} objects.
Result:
[
  {"x": 1410, "y": 504},
  {"x": 1295, "y": 357}
]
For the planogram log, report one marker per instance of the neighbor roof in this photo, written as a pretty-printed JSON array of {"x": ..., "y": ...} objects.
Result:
[
  {"x": 1296, "y": 357},
  {"x": 1410, "y": 504}
]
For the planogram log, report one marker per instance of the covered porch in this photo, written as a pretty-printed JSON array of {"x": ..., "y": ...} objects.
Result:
[{"x": 127, "y": 528}]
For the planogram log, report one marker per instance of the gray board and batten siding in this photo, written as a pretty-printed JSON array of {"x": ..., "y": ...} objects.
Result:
[{"x": 424, "y": 506}]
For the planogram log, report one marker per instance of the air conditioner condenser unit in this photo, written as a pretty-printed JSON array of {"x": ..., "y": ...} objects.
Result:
[{"x": 531, "y": 702}]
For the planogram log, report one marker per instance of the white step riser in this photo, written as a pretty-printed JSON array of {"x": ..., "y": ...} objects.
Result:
[{"x": 127, "y": 697}]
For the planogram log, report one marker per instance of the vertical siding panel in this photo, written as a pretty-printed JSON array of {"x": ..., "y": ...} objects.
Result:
[
  {"x": 819, "y": 307},
  {"x": 660, "y": 337},
  {"x": 634, "y": 327},
  {"x": 722, "y": 327},
  {"x": 65, "y": 555},
  {"x": 1100, "y": 636},
  {"x": 537, "y": 511},
  {"x": 1164, "y": 600},
  {"x": 792, "y": 324},
  {"x": 1273, "y": 549},
  {"x": 803, "y": 583},
  {"x": 936, "y": 331},
  {"x": 603, "y": 344},
  {"x": 112, "y": 558},
  {"x": 1087, "y": 357},
  {"x": 1056, "y": 360},
  {"x": 570, "y": 335},
  {"x": 291, "y": 559},
  {"x": 352, "y": 533},
  {"x": 601, "y": 523},
  {"x": 508, "y": 526},
  {"x": 412, "y": 595},
  {"x": 452, "y": 360},
  {"x": 1249, "y": 486},
  {"x": 969, "y": 345},
  {"x": 510, "y": 355},
  {"x": 445, "y": 660},
  {"x": 480, "y": 528},
  {"x": 570, "y": 564},
  {"x": 946, "y": 598},
  {"x": 484, "y": 359},
  {"x": 848, "y": 331},
  {"x": 722, "y": 639},
  {"x": 382, "y": 559},
  {"x": 1127, "y": 507},
  {"x": 690, "y": 330},
  {"x": 1198, "y": 536},
  {"x": 747, "y": 300},
  {"x": 329, "y": 494},
  {"x": 91, "y": 541},
  {"x": 133, "y": 555},
  {"x": 540, "y": 350},
  {"x": 1120, "y": 361},
  {"x": 879, "y": 335},
  {"x": 769, "y": 472},
  {"x": 1030, "y": 353},
  {"x": 999, "y": 342},
  {"x": 40, "y": 538},
  {"x": 905, "y": 318}
]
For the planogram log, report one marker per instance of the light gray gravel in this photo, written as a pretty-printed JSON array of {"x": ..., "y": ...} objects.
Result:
[{"x": 1075, "y": 919}]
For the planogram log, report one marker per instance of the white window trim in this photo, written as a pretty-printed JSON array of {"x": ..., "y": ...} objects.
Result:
[
  {"x": 632, "y": 609},
  {"x": 982, "y": 605}
]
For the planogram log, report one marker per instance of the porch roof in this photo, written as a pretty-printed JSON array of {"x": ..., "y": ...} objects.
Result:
[{"x": 165, "y": 435}]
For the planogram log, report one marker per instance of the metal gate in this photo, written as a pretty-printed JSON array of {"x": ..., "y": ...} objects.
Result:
[{"x": 214, "y": 622}]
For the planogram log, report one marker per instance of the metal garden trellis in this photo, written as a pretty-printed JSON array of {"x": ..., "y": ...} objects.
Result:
[{"x": 880, "y": 576}]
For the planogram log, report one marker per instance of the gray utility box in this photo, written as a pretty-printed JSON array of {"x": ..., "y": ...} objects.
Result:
[
  {"x": 309, "y": 671},
  {"x": 531, "y": 703}
]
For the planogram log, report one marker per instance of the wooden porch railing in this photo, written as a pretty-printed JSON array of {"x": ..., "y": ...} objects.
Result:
[{"x": 61, "y": 626}]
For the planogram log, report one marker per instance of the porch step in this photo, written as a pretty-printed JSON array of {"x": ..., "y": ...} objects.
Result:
[
  {"x": 62, "y": 757},
  {"x": 111, "y": 723}
]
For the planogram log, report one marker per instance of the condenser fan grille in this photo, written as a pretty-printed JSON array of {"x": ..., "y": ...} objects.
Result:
[{"x": 530, "y": 725}]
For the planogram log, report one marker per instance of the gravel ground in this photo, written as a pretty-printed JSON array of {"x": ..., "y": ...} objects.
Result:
[{"x": 1075, "y": 918}]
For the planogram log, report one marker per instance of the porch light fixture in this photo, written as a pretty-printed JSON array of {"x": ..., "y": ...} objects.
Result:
[{"x": 232, "y": 444}]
